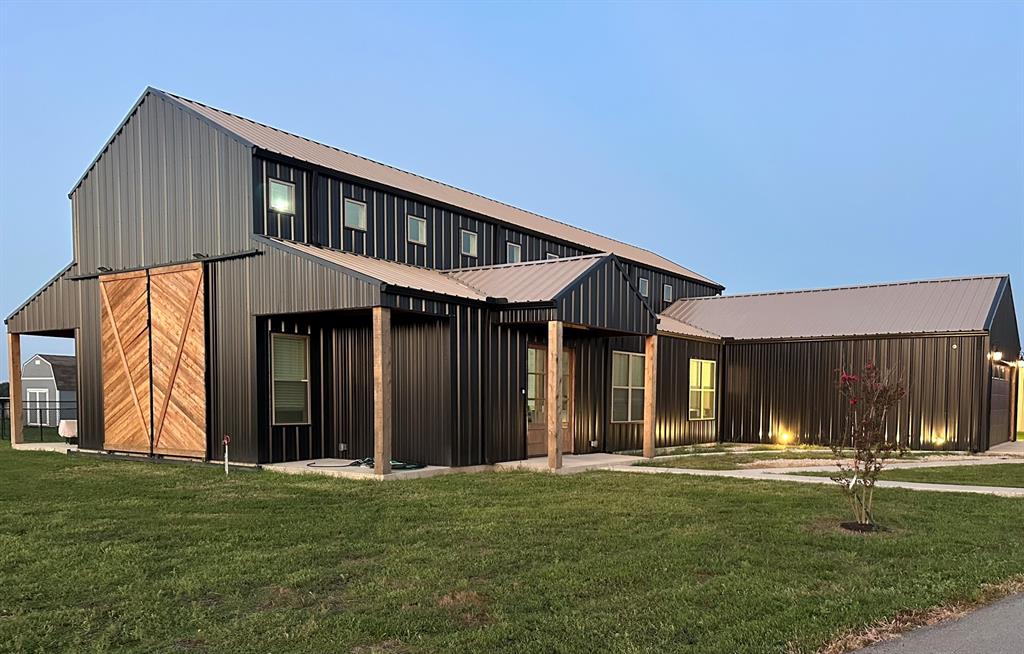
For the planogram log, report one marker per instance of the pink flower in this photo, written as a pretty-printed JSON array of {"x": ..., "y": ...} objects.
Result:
[{"x": 853, "y": 401}]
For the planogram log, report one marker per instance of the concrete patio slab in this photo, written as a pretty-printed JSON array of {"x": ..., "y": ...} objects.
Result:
[
  {"x": 60, "y": 448},
  {"x": 343, "y": 468}
]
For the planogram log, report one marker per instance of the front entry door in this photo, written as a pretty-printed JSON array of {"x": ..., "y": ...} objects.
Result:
[{"x": 536, "y": 400}]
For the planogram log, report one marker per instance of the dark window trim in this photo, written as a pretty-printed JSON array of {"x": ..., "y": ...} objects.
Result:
[
  {"x": 283, "y": 182},
  {"x": 462, "y": 243},
  {"x": 344, "y": 213},
  {"x": 408, "y": 219},
  {"x": 629, "y": 418},
  {"x": 644, "y": 286},
  {"x": 713, "y": 389},
  {"x": 518, "y": 249},
  {"x": 273, "y": 380}
]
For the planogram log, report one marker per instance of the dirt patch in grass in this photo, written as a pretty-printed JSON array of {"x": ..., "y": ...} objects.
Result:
[
  {"x": 905, "y": 621},
  {"x": 469, "y": 605},
  {"x": 190, "y": 645}
]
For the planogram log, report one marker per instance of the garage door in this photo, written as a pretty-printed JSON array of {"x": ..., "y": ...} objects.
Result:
[{"x": 154, "y": 361}]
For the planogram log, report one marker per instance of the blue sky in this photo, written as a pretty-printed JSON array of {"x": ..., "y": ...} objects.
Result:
[{"x": 766, "y": 145}]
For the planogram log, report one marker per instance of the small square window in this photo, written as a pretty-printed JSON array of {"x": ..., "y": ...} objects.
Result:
[
  {"x": 282, "y": 196},
  {"x": 355, "y": 214},
  {"x": 666, "y": 292},
  {"x": 417, "y": 230},
  {"x": 513, "y": 252},
  {"x": 645, "y": 286},
  {"x": 551, "y": 255},
  {"x": 468, "y": 243}
]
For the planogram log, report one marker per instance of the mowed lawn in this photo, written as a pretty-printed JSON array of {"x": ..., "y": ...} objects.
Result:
[
  {"x": 102, "y": 555},
  {"x": 992, "y": 474}
]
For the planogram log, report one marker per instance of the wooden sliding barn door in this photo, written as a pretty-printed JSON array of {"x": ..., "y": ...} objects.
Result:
[
  {"x": 124, "y": 328},
  {"x": 154, "y": 361},
  {"x": 179, "y": 360}
]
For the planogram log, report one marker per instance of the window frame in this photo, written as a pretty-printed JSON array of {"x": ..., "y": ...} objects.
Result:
[
  {"x": 518, "y": 249},
  {"x": 462, "y": 243},
  {"x": 409, "y": 219},
  {"x": 630, "y": 419},
  {"x": 274, "y": 336},
  {"x": 668, "y": 293},
  {"x": 644, "y": 286},
  {"x": 701, "y": 390},
  {"x": 344, "y": 214},
  {"x": 270, "y": 194}
]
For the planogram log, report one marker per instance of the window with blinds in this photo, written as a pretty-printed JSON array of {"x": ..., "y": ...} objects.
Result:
[{"x": 290, "y": 379}]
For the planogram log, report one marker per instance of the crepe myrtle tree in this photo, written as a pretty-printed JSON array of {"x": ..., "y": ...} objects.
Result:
[{"x": 871, "y": 395}]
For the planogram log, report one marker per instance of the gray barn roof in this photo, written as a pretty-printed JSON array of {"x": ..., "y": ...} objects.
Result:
[
  {"x": 924, "y": 307},
  {"x": 64, "y": 370},
  {"x": 280, "y": 142}
]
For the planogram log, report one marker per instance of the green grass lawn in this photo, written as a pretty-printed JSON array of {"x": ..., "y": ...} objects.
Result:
[
  {"x": 100, "y": 555},
  {"x": 994, "y": 474}
]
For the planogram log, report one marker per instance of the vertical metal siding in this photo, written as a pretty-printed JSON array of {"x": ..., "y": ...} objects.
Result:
[
  {"x": 55, "y": 307},
  {"x": 773, "y": 388},
  {"x": 168, "y": 185},
  {"x": 88, "y": 348},
  {"x": 421, "y": 409},
  {"x": 673, "y": 426}
]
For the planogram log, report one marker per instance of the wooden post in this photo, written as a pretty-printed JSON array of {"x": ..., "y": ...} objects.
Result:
[
  {"x": 650, "y": 393},
  {"x": 14, "y": 362},
  {"x": 381, "y": 390},
  {"x": 554, "y": 394}
]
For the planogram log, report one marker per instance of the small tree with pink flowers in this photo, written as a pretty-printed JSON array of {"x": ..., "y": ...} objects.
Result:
[{"x": 871, "y": 395}]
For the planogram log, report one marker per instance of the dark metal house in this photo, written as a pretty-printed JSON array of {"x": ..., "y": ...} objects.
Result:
[{"x": 233, "y": 279}]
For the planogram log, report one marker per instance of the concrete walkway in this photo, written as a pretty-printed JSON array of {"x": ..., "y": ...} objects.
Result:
[
  {"x": 786, "y": 474},
  {"x": 994, "y": 629}
]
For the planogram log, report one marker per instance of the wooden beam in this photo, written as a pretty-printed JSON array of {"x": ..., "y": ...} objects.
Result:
[
  {"x": 650, "y": 393},
  {"x": 14, "y": 389},
  {"x": 381, "y": 390},
  {"x": 554, "y": 394}
]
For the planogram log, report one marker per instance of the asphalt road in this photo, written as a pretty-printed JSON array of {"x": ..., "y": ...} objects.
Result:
[{"x": 994, "y": 629}]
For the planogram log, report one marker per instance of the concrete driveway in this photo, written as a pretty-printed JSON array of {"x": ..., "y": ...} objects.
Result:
[{"x": 994, "y": 629}]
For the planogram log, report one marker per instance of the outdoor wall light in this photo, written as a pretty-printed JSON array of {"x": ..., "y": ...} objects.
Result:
[
  {"x": 104, "y": 269},
  {"x": 786, "y": 438},
  {"x": 199, "y": 255},
  {"x": 997, "y": 356}
]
